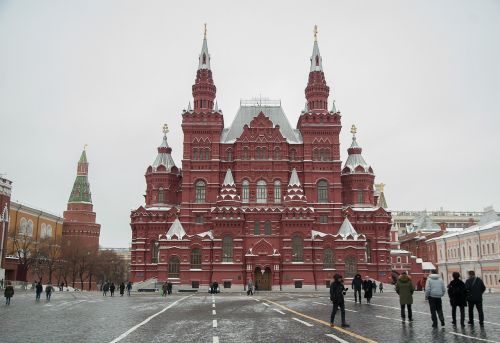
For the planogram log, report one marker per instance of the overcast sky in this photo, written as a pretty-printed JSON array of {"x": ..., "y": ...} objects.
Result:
[{"x": 420, "y": 79}]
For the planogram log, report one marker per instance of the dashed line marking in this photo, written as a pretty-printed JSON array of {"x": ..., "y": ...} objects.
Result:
[
  {"x": 350, "y": 310},
  {"x": 214, "y": 323},
  {"x": 265, "y": 304},
  {"x": 472, "y": 337},
  {"x": 397, "y": 320},
  {"x": 213, "y": 312},
  {"x": 315, "y": 302},
  {"x": 256, "y": 299},
  {"x": 275, "y": 309},
  {"x": 303, "y": 322},
  {"x": 216, "y": 339},
  {"x": 338, "y": 339},
  {"x": 213, "y": 305}
]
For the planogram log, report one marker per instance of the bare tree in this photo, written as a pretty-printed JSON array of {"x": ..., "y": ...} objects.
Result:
[
  {"x": 50, "y": 254},
  {"x": 25, "y": 248}
]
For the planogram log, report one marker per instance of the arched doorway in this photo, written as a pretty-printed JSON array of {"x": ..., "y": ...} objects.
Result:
[
  {"x": 263, "y": 279},
  {"x": 350, "y": 266}
]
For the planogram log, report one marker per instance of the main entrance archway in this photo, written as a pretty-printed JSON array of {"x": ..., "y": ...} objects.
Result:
[{"x": 263, "y": 279}]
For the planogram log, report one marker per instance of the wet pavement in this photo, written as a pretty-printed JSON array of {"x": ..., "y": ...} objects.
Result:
[{"x": 231, "y": 317}]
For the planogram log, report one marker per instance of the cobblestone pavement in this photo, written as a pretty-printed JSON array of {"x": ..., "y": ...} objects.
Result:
[{"x": 230, "y": 317}]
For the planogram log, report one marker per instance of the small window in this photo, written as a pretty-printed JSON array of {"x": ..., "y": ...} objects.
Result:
[
  {"x": 245, "y": 191},
  {"x": 292, "y": 154},
  {"x": 360, "y": 196},
  {"x": 227, "y": 249},
  {"x": 246, "y": 154},
  {"x": 195, "y": 284},
  {"x": 297, "y": 249},
  {"x": 227, "y": 284},
  {"x": 160, "y": 196},
  {"x": 173, "y": 267},
  {"x": 199, "y": 219},
  {"x": 195, "y": 154},
  {"x": 327, "y": 283},
  {"x": 261, "y": 192},
  {"x": 256, "y": 228},
  {"x": 277, "y": 154},
  {"x": 277, "y": 192},
  {"x": 267, "y": 228},
  {"x": 328, "y": 258},
  {"x": 200, "y": 192},
  {"x": 229, "y": 154},
  {"x": 298, "y": 284},
  {"x": 322, "y": 191},
  {"x": 323, "y": 219},
  {"x": 196, "y": 259}
]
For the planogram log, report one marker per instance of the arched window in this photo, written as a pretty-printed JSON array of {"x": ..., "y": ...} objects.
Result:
[
  {"x": 229, "y": 154},
  {"x": 49, "y": 230},
  {"x": 256, "y": 228},
  {"x": 207, "y": 155},
  {"x": 368, "y": 252},
  {"x": 277, "y": 192},
  {"x": 29, "y": 229},
  {"x": 43, "y": 230},
  {"x": 328, "y": 258},
  {"x": 195, "y": 259},
  {"x": 200, "y": 191},
  {"x": 154, "y": 252},
  {"x": 160, "y": 195},
  {"x": 292, "y": 154},
  {"x": 315, "y": 155},
  {"x": 195, "y": 154},
  {"x": 258, "y": 155},
  {"x": 173, "y": 267},
  {"x": 267, "y": 228},
  {"x": 227, "y": 249},
  {"x": 297, "y": 249},
  {"x": 245, "y": 191},
  {"x": 277, "y": 154},
  {"x": 246, "y": 154},
  {"x": 360, "y": 196},
  {"x": 350, "y": 266},
  {"x": 322, "y": 191},
  {"x": 23, "y": 226},
  {"x": 261, "y": 192}
]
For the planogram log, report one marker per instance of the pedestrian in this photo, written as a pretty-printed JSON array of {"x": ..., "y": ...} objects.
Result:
[
  {"x": 374, "y": 287},
  {"x": 475, "y": 288},
  {"x": 434, "y": 291},
  {"x": 458, "y": 298},
  {"x": 122, "y": 289},
  {"x": 337, "y": 292},
  {"x": 256, "y": 287},
  {"x": 1, "y": 283},
  {"x": 250, "y": 287},
  {"x": 112, "y": 289},
  {"x": 368, "y": 288},
  {"x": 381, "y": 287},
  {"x": 356, "y": 285},
  {"x": 61, "y": 287},
  {"x": 48, "y": 291},
  {"x": 129, "y": 288},
  {"x": 8, "y": 293},
  {"x": 38, "y": 291},
  {"x": 405, "y": 289},
  {"x": 169, "y": 288},
  {"x": 105, "y": 289},
  {"x": 164, "y": 289}
]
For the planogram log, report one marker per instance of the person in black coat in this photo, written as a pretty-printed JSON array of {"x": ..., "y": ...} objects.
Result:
[
  {"x": 112, "y": 289},
  {"x": 357, "y": 282},
  {"x": 475, "y": 289},
  {"x": 122, "y": 289},
  {"x": 457, "y": 294},
  {"x": 368, "y": 288},
  {"x": 337, "y": 292}
]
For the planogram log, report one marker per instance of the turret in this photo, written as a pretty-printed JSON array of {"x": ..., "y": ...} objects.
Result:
[
  {"x": 204, "y": 89},
  {"x": 317, "y": 91}
]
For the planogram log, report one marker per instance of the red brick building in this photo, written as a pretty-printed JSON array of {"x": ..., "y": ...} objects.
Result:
[{"x": 259, "y": 199}]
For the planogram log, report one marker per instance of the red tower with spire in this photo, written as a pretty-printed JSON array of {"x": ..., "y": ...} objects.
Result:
[
  {"x": 79, "y": 227},
  {"x": 259, "y": 199}
]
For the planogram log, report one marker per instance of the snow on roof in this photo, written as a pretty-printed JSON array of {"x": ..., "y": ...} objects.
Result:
[
  {"x": 347, "y": 229},
  {"x": 468, "y": 230},
  {"x": 399, "y": 251},
  {"x": 428, "y": 266},
  {"x": 176, "y": 230}
]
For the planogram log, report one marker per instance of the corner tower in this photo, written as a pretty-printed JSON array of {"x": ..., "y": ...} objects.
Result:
[{"x": 80, "y": 228}]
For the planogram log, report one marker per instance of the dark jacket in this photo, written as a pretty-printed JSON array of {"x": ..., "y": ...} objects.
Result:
[
  {"x": 39, "y": 288},
  {"x": 368, "y": 288},
  {"x": 475, "y": 289},
  {"x": 112, "y": 287},
  {"x": 405, "y": 289},
  {"x": 337, "y": 292},
  {"x": 49, "y": 289},
  {"x": 357, "y": 282},
  {"x": 9, "y": 291},
  {"x": 457, "y": 293},
  {"x": 122, "y": 288}
]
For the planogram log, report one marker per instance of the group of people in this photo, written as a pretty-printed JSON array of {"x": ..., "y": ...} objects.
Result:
[
  {"x": 461, "y": 295},
  {"x": 166, "y": 288},
  {"x": 39, "y": 289},
  {"x": 214, "y": 288},
  {"x": 107, "y": 287}
]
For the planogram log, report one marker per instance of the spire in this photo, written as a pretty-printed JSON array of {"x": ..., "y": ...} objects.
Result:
[
  {"x": 228, "y": 195},
  {"x": 381, "y": 202},
  {"x": 347, "y": 229},
  {"x": 204, "y": 58},
  {"x": 294, "y": 194},
  {"x": 204, "y": 89},
  {"x": 334, "y": 108},
  {"x": 317, "y": 91},
  {"x": 189, "y": 107},
  {"x": 294, "y": 179},
  {"x": 216, "y": 107},
  {"x": 228, "y": 180},
  {"x": 164, "y": 156},
  {"x": 355, "y": 159},
  {"x": 81, "y": 187},
  {"x": 176, "y": 230}
]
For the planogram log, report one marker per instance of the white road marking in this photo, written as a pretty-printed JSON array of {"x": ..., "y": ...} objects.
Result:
[
  {"x": 132, "y": 329},
  {"x": 350, "y": 310},
  {"x": 213, "y": 305},
  {"x": 303, "y": 322},
  {"x": 274, "y": 309},
  {"x": 397, "y": 320},
  {"x": 256, "y": 299},
  {"x": 315, "y": 302},
  {"x": 213, "y": 312},
  {"x": 216, "y": 339},
  {"x": 338, "y": 339},
  {"x": 214, "y": 323},
  {"x": 265, "y": 304},
  {"x": 472, "y": 337}
]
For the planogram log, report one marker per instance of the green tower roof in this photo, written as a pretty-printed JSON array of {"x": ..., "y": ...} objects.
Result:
[{"x": 81, "y": 187}]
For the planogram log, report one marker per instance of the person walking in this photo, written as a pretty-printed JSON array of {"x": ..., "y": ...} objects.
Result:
[
  {"x": 38, "y": 291},
  {"x": 337, "y": 292},
  {"x": 1, "y": 284},
  {"x": 112, "y": 289},
  {"x": 434, "y": 291},
  {"x": 129, "y": 288},
  {"x": 169, "y": 288},
  {"x": 250, "y": 287},
  {"x": 374, "y": 287},
  {"x": 48, "y": 291},
  {"x": 458, "y": 298},
  {"x": 8, "y": 293},
  {"x": 368, "y": 288},
  {"x": 475, "y": 288},
  {"x": 381, "y": 287},
  {"x": 405, "y": 289},
  {"x": 164, "y": 289},
  {"x": 356, "y": 285},
  {"x": 105, "y": 289},
  {"x": 122, "y": 289}
]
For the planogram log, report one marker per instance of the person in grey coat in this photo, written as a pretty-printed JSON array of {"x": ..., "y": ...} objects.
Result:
[
  {"x": 434, "y": 291},
  {"x": 475, "y": 288}
]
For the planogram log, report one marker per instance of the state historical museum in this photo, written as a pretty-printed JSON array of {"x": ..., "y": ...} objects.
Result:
[{"x": 259, "y": 199}]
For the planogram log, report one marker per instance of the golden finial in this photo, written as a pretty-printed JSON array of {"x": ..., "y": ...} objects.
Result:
[
  {"x": 205, "y": 31},
  {"x": 165, "y": 129},
  {"x": 354, "y": 129},
  {"x": 315, "y": 33},
  {"x": 85, "y": 147}
]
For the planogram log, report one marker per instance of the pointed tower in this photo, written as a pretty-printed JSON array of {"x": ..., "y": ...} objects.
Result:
[
  {"x": 228, "y": 195},
  {"x": 204, "y": 89},
  {"x": 294, "y": 196},
  {"x": 317, "y": 91},
  {"x": 357, "y": 177},
  {"x": 80, "y": 228},
  {"x": 163, "y": 177}
]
